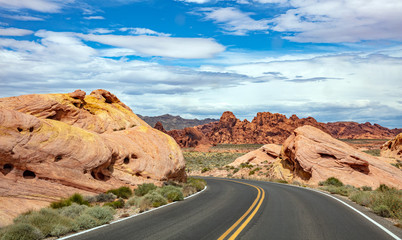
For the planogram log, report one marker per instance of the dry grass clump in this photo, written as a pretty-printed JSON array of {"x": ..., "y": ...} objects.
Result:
[{"x": 384, "y": 201}]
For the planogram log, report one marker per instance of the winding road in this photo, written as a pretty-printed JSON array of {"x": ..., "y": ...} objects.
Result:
[{"x": 243, "y": 209}]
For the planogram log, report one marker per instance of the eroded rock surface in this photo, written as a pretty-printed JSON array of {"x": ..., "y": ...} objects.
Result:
[
  {"x": 54, "y": 145},
  {"x": 393, "y": 148},
  {"x": 266, "y": 154},
  {"x": 313, "y": 156}
]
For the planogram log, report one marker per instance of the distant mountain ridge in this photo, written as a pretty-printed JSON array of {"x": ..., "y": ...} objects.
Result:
[{"x": 171, "y": 122}]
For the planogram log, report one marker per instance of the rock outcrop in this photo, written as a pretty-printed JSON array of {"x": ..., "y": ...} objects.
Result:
[
  {"x": 313, "y": 156},
  {"x": 274, "y": 128},
  {"x": 266, "y": 154},
  {"x": 53, "y": 145},
  {"x": 393, "y": 148}
]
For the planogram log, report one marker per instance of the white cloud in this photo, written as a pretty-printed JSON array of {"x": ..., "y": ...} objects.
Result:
[
  {"x": 22, "y": 17},
  {"x": 187, "y": 48},
  {"x": 144, "y": 31},
  {"x": 233, "y": 21},
  {"x": 36, "y": 5},
  {"x": 14, "y": 32},
  {"x": 101, "y": 30},
  {"x": 341, "y": 20},
  {"x": 196, "y": 1},
  {"x": 94, "y": 18}
]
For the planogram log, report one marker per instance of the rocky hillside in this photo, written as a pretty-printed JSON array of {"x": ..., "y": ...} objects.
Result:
[
  {"x": 170, "y": 122},
  {"x": 274, "y": 128},
  {"x": 54, "y": 145}
]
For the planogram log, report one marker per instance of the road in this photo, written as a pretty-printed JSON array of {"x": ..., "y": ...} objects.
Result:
[{"x": 244, "y": 209}]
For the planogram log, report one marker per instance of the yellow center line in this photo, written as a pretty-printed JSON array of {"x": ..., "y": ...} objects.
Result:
[
  {"x": 245, "y": 214},
  {"x": 249, "y": 218}
]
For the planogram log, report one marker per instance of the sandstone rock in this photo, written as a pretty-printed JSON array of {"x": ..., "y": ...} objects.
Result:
[
  {"x": 314, "y": 156},
  {"x": 267, "y": 153},
  {"x": 78, "y": 94},
  {"x": 189, "y": 137},
  {"x": 353, "y": 130},
  {"x": 54, "y": 145},
  {"x": 393, "y": 148},
  {"x": 159, "y": 126}
]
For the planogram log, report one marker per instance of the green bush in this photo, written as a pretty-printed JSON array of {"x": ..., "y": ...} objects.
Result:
[
  {"x": 75, "y": 198},
  {"x": 333, "y": 182},
  {"x": 235, "y": 170},
  {"x": 102, "y": 214},
  {"x": 105, "y": 197},
  {"x": 122, "y": 192},
  {"x": 171, "y": 193},
  {"x": 198, "y": 183},
  {"x": 85, "y": 221},
  {"x": 22, "y": 231},
  {"x": 156, "y": 199},
  {"x": 252, "y": 172},
  {"x": 116, "y": 204},
  {"x": 382, "y": 210},
  {"x": 205, "y": 169},
  {"x": 246, "y": 165},
  {"x": 73, "y": 211},
  {"x": 383, "y": 188},
  {"x": 46, "y": 220},
  {"x": 366, "y": 188},
  {"x": 361, "y": 197},
  {"x": 341, "y": 190},
  {"x": 144, "y": 189}
]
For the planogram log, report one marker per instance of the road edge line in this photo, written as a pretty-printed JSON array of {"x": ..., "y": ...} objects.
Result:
[
  {"x": 354, "y": 209},
  {"x": 132, "y": 216}
]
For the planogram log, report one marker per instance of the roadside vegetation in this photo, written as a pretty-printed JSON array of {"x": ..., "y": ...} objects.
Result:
[
  {"x": 384, "y": 201},
  {"x": 83, "y": 212},
  {"x": 200, "y": 161},
  {"x": 249, "y": 147}
]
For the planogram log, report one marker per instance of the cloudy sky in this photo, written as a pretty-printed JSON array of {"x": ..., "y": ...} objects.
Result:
[{"x": 334, "y": 60}]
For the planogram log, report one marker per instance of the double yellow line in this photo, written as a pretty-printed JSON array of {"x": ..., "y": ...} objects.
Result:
[{"x": 258, "y": 201}]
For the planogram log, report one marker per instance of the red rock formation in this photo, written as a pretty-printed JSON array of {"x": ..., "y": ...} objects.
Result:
[
  {"x": 159, "y": 126},
  {"x": 393, "y": 148},
  {"x": 54, "y": 145},
  {"x": 266, "y": 154},
  {"x": 275, "y": 128},
  {"x": 353, "y": 130},
  {"x": 314, "y": 156}
]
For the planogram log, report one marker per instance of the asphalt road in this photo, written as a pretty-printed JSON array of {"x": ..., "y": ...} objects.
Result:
[{"x": 234, "y": 210}]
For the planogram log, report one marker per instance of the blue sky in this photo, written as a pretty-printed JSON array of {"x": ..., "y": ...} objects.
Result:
[{"x": 334, "y": 60}]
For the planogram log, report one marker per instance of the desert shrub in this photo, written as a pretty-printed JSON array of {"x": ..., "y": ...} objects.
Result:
[
  {"x": 144, "y": 189},
  {"x": 198, "y": 183},
  {"x": 246, "y": 165},
  {"x": 333, "y": 182},
  {"x": 205, "y": 169},
  {"x": 382, "y": 210},
  {"x": 361, "y": 197},
  {"x": 366, "y": 188},
  {"x": 116, "y": 204},
  {"x": 189, "y": 190},
  {"x": 75, "y": 198},
  {"x": 252, "y": 172},
  {"x": 145, "y": 204},
  {"x": 121, "y": 192},
  {"x": 60, "y": 204},
  {"x": 46, "y": 220},
  {"x": 235, "y": 170},
  {"x": 341, "y": 190},
  {"x": 173, "y": 183},
  {"x": 60, "y": 230},
  {"x": 156, "y": 199},
  {"x": 391, "y": 199},
  {"x": 105, "y": 197},
  {"x": 133, "y": 201},
  {"x": 383, "y": 188},
  {"x": 21, "y": 231},
  {"x": 171, "y": 193},
  {"x": 85, "y": 221},
  {"x": 198, "y": 160},
  {"x": 102, "y": 214},
  {"x": 73, "y": 211}
]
